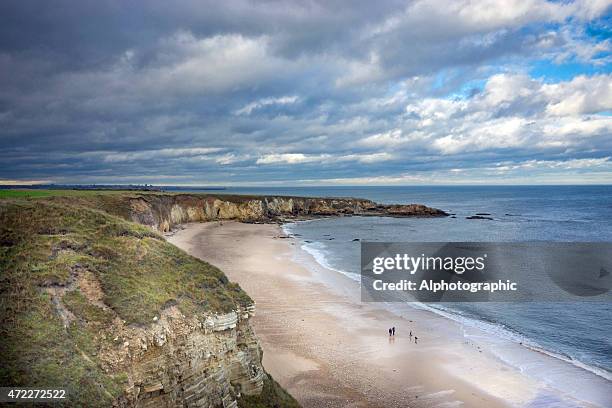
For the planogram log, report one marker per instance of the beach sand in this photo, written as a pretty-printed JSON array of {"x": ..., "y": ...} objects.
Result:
[{"x": 330, "y": 350}]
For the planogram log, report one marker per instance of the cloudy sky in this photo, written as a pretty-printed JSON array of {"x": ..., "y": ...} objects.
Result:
[{"x": 305, "y": 93}]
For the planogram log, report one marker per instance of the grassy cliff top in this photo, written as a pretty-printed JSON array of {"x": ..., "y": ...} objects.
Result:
[
  {"x": 44, "y": 245},
  {"x": 40, "y": 193},
  {"x": 118, "y": 194},
  {"x": 138, "y": 270}
]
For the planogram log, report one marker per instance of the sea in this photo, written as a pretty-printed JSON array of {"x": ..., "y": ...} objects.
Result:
[{"x": 577, "y": 333}]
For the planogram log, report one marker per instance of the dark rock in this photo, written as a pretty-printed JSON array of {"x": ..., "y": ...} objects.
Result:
[{"x": 478, "y": 217}]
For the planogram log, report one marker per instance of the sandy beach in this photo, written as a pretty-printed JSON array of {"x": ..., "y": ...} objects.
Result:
[{"x": 330, "y": 350}]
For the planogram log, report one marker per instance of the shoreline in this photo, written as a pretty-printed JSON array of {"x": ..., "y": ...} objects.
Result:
[
  {"x": 493, "y": 329},
  {"x": 329, "y": 349}
]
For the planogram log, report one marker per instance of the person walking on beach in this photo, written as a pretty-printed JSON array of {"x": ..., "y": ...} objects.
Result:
[
  {"x": 410, "y": 334},
  {"x": 393, "y": 330},
  {"x": 415, "y": 339},
  {"x": 390, "y": 332}
]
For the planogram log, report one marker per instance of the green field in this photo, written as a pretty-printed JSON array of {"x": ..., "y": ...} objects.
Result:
[{"x": 33, "y": 193}]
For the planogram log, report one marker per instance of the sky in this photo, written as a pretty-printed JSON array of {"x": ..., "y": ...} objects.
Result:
[{"x": 309, "y": 92}]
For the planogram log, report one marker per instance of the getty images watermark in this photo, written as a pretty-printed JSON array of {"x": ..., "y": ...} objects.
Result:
[{"x": 483, "y": 272}]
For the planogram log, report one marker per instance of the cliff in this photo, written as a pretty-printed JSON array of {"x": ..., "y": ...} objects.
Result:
[
  {"x": 165, "y": 211},
  {"x": 94, "y": 300},
  {"x": 109, "y": 310}
]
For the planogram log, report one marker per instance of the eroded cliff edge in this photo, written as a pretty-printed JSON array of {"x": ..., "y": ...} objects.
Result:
[
  {"x": 166, "y": 211},
  {"x": 96, "y": 301},
  {"x": 110, "y": 311}
]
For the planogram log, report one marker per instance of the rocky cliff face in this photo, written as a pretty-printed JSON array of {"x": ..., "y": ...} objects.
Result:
[
  {"x": 109, "y": 310},
  {"x": 165, "y": 211},
  {"x": 122, "y": 318},
  {"x": 196, "y": 362}
]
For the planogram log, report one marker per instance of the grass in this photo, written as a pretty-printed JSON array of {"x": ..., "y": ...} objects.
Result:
[
  {"x": 36, "y": 193},
  {"x": 138, "y": 270},
  {"x": 235, "y": 198},
  {"x": 272, "y": 396},
  {"x": 44, "y": 242},
  {"x": 80, "y": 306},
  {"x": 37, "y": 352}
]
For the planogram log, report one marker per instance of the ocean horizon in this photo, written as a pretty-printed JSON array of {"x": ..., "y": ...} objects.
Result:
[{"x": 576, "y": 332}]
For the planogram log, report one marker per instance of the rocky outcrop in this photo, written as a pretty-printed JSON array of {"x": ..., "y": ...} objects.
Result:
[
  {"x": 199, "y": 361},
  {"x": 165, "y": 211},
  {"x": 128, "y": 335},
  {"x": 212, "y": 360},
  {"x": 117, "y": 315}
]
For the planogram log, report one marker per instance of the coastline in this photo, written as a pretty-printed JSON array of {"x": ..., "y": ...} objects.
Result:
[
  {"x": 328, "y": 349},
  {"x": 319, "y": 250}
]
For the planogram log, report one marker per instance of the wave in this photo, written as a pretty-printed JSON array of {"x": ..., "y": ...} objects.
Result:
[
  {"x": 500, "y": 331},
  {"x": 318, "y": 251}
]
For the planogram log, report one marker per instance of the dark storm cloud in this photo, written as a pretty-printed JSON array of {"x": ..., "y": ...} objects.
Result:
[{"x": 240, "y": 91}]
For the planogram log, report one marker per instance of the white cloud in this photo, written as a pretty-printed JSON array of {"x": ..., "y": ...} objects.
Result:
[
  {"x": 590, "y": 9},
  {"x": 249, "y": 108},
  {"x": 481, "y": 15},
  {"x": 576, "y": 44},
  {"x": 506, "y": 88},
  {"x": 184, "y": 89},
  {"x": 583, "y": 163},
  {"x": 571, "y": 164},
  {"x": 494, "y": 134},
  {"x": 572, "y": 131},
  {"x": 360, "y": 72},
  {"x": 289, "y": 158},
  {"x": 386, "y": 139},
  {"x": 513, "y": 111},
  {"x": 300, "y": 158},
  {"x": 367, "y": 157},
  {"x": 572, "y": 171},
  {"x": 215, "y": 63},
  {"x": 393, "y": 138},
  {"x": 579, "y": 96},
  {"x": 160, "y": 153},
  {"x": 179, "y": 65},
  {"x": 230, "y": 158}
]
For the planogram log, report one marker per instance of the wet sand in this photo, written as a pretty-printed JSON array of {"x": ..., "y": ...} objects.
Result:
[{"x": 330, "y": 350}]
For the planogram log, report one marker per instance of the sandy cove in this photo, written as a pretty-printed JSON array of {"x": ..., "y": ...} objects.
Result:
[{"x": 330, "y": 350}]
